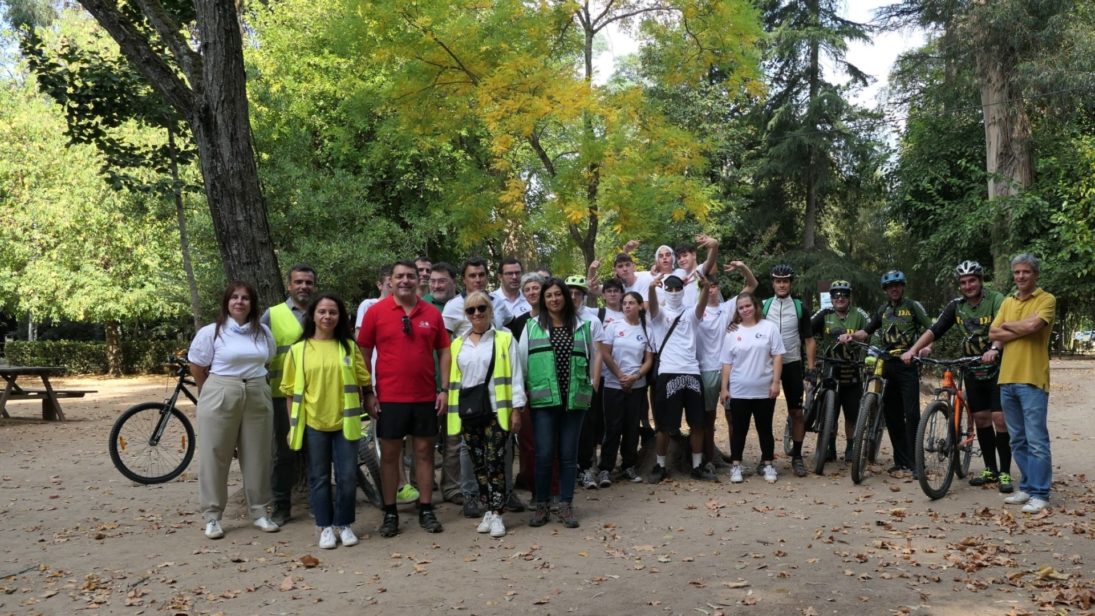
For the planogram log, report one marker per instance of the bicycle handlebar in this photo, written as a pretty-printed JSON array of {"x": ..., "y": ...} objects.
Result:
[{"x": 961, "y": 361}]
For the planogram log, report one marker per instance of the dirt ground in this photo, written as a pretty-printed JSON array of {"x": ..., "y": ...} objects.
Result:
[{"x": 78, "y": 536}]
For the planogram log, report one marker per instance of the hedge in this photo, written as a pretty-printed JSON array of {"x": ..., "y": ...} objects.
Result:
[{"x": 79, "y": 357}]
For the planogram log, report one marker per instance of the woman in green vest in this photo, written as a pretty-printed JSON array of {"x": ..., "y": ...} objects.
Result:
[
  {"x": 485, "y": 378},
  {"x": 561, "y": 361},
  {"x": 324, "y": 380}
]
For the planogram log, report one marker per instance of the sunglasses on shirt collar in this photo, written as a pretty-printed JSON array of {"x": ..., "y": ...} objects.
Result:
[{"x": 407, "y": 325}]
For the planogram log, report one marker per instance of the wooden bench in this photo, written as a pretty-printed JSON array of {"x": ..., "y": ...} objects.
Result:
[
  {"x": 50, "y": 397},
  {"x": 48, "y": 411}
]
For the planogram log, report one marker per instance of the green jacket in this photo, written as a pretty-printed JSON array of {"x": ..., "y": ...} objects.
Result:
[{"x": 543, "y": 382}]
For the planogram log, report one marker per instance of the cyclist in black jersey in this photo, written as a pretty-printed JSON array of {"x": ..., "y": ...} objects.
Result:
[
  {"x": 829, "y": 324},
  {"x": 973, "y": 312}
]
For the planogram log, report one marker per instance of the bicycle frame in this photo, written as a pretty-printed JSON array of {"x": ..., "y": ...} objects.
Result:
[{"x": 181, "y": 369}]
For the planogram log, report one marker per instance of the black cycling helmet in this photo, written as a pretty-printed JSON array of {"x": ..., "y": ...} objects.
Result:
[
  {"x": 783, "y": 270},
  {"x": 840, "y": 285},
  {"x": 892, "y": 277},
  {"x": 969, "y": 268}
]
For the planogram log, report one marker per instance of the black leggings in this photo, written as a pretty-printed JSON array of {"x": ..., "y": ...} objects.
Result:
[
  {"x": 901, "y": 408},
  {"x": 623, "y": 410},
  {"x": 761, "y": 411}
]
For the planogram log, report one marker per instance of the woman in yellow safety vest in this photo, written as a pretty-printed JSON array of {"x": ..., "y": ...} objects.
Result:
[
  {"x": 484, "y": 373},
  {"x": 324, "y": 380},
  {"x": 562, "y": 366}
]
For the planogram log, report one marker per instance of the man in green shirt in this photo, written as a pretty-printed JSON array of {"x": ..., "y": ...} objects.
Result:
[{"x": 828, "y": 325}]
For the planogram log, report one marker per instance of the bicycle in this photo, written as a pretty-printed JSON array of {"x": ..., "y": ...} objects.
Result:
[
  {"x": 821, "y": 414},
  {"x": 867, "y": 439},
  {"x": 368, "y": 463},
  {"x": 153, "y": 442},
  {"x": 945, "y": 438}
]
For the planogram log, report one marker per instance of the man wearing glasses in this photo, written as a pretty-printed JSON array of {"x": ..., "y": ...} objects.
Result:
[
  {"x": 829, "y": 324},
  {"x": 406, "y": 332},
  {"x": 475, "y": 277},
  {"x": 509, "y": 290}
]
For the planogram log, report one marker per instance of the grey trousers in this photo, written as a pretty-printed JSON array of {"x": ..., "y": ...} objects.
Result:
[{"x": 234, "y": 415}]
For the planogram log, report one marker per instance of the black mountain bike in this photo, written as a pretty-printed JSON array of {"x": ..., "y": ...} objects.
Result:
[
  {"x": 867, "y": 439},
  {"x": 821, "y": 414},
  {"x": 153, "y": 442}
]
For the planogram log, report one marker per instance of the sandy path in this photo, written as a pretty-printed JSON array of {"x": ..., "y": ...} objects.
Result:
[{"x": 77, "y": 535}]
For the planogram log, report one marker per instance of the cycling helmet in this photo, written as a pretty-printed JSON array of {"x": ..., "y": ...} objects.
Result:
[
  {"x": 783, "y": 271},
  {"x": 891, "y": 277},
  {"x": 840, "y": 285},
  {"x": 577, "y": 281},
  {"x": 969, "y": 268}
]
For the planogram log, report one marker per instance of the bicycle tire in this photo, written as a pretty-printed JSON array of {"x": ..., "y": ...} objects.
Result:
[
  {"x": 965, "y": 452},
  {"x": 137, "y": 458},
  {"x": 788, "y": 442},
  {"x": 368, "y": 468},
  {"x": 876, "y": 434},
  {"x": 936, "y": 454},
  {"x": 825, "y": 433},
  {"x": 862, "y": 439}
]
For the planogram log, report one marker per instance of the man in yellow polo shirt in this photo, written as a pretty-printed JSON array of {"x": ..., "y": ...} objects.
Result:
[{"x": 1021, "y": 330}]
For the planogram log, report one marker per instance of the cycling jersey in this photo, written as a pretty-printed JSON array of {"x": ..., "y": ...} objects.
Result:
[
  {"x": 975, "y": 322},
  {"x": 828, "y": 325},
  {"x": 899, "y": 325}
]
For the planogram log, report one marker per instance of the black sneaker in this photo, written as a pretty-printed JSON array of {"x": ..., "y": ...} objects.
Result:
[
  {"x": 514, "y": 504},
  {"x": 566, "y": 515},
  {"x": 848, "y": 452},
  {"x": 541, "y": 515},
  {"x": 1005, "y": 483},
  {"x": 428, "y": 521},
  {"x": 280, "y": 515},
  {"x": 799, "y": 467},
  {"x": 658, "y": 474},
  {"x": 986, "y": 477},
  {"x": 471, "y": 507},
  {"x": 704, "y": 473},
  {"x": 390, "y": 526}
]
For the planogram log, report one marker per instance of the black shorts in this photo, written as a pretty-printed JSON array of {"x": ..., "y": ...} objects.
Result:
[
  {"x": 674, "y": 395},
  {"x": 982, "y": 395},
  {"x": 791, "y": 381},
  {"x": 400, "y": 419}
]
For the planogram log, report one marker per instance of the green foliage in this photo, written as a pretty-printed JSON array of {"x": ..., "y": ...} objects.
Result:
[{"x": 78, "y": 357}]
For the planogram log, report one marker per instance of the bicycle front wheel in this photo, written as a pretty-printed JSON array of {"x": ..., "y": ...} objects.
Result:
[
  {"x": 935, "y": 450},
  {"x": 966, "y": 442},
  {"x": 788, "y": 442},
  {"x": 825, "y": 431},
  {"x": 862, "y": 441},
  {"x": 151, "y": 443},
  {"x": 368, "y": 467}
]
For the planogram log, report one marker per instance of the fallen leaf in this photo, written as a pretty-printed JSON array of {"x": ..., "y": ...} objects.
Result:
[
  {"x": 286, "y": 584},
  {"x": 309, "y": 561}
]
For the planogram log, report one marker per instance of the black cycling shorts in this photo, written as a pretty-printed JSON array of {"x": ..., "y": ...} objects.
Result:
[
  {"x": 400, "y": 419},
  {"x": 676, "y": 395},
  {"x": 982, "y": 395},
  {"x": 791, "y": 381}
]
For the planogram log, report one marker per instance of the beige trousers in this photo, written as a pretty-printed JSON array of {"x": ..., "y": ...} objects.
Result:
[{"x": 234, "y": 415}]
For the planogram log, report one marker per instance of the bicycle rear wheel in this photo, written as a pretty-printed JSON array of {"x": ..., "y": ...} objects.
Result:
[
  {"x": 788, "y": 443},
  {"x": 151, "y": 443},
  {"x": 825, "y": 430},
  {"x": 936, "y": 457},
  {"x": 368, "y": 467},
  {"x": 862, "y": 440}
]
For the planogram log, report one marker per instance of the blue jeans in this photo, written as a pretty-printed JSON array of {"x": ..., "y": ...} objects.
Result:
[
  {"x": 556, "y": 430},
  {"x": 1025, "y": 410},
  {"x": 324, "y": 449}
]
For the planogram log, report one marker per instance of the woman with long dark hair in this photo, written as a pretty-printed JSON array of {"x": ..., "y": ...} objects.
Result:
[
  {"x": 324, "y": 380},
  {"x": 235, "y": 411},
  {"x": 628, "y": 356},
  {"x": 562, "y": 366}
]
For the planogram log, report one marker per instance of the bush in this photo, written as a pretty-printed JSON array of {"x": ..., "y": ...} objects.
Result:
[{"x": 78, "y": 357}]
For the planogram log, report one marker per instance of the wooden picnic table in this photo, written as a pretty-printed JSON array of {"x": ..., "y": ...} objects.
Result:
[{"x": 50, "y": 397}]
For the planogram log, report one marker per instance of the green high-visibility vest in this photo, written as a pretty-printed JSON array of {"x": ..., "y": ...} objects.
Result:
[
  {"x": 287, "y": 330},
  {"x": 351, "y": 401},
  {"x": 543, "y": 383},
  {"x": 501, "y": 381}
]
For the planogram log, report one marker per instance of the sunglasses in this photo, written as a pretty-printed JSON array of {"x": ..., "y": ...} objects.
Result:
[
  {"x": 836, "y": 294},
  {"x": 481, "y": 309},
  {"x": 407, "y": 325}
]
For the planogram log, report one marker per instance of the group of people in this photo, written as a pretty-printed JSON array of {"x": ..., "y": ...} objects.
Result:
[{"x": 536, "y": 370}]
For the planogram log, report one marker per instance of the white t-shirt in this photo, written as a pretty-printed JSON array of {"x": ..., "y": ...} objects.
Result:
[
  {"x": 749, "y": 350},
  {"x": 234, "y": 352},
  {"x": 641, "y": 284},
  {"x": 457, "y": 322},
  {"x": 711, "y": 332},
  {"x": 679, "y": 354},
  {"x": 515, "y": 307},
  {"x": 629, "y": 345},
  {"x": 612, "y": 316},
  {"x": 782, "y": 314}
]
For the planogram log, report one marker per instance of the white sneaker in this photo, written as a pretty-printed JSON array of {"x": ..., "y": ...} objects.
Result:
[
  {"x": 213, "y": 530},
  {"x": 484, "y": 526},
  {"x": 1018, "y": 498},
  {"x": 735, "y": 474},
  {"x": 1034, "y": 505},
  {"x": 346, "y": 536},
  {"x": 266, "y": 525},
  {"x": 770, "y": 474},
  {"x": 327, "y": 538},
  {"x": 497, "y": 528}
]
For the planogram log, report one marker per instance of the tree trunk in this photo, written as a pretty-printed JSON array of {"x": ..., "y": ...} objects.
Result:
[
  {"x": 113, "y": 348},
  {"x": 184, "y": 237},
  {"x": 809, "y": 231},
  {"x": 1008, "y": 150}
]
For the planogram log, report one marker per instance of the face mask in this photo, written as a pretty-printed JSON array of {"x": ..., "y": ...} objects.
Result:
[{"x": 673, "y": 299}]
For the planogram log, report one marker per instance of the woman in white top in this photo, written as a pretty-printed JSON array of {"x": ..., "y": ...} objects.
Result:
[
  {"x": 228, "y": 359},
  {"x": 751, "y": 364},
  {"x": 485, "y": 356},
  {"x": 627, "y": 358}
]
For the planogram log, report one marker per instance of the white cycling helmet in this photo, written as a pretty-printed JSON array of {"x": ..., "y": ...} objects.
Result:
[{"x": 969, "y": 268}]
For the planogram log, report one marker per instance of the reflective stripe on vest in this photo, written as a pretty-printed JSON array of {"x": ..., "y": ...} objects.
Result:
[
  {"x": 287, "y": 330},
  {"x": 543, "y": 382},
  {"x": 351, "y": 401},
  {"x": 501, "y": 381}
]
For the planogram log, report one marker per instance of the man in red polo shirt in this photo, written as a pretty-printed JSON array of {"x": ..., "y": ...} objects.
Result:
[{"x": 405, "y": 332}]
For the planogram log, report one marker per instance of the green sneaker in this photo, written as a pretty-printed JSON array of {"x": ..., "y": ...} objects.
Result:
[
  {"x": 406, "y": 494},
  {"x": 985, "y": 477},
  {"x": 1005, "y": 484}
]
